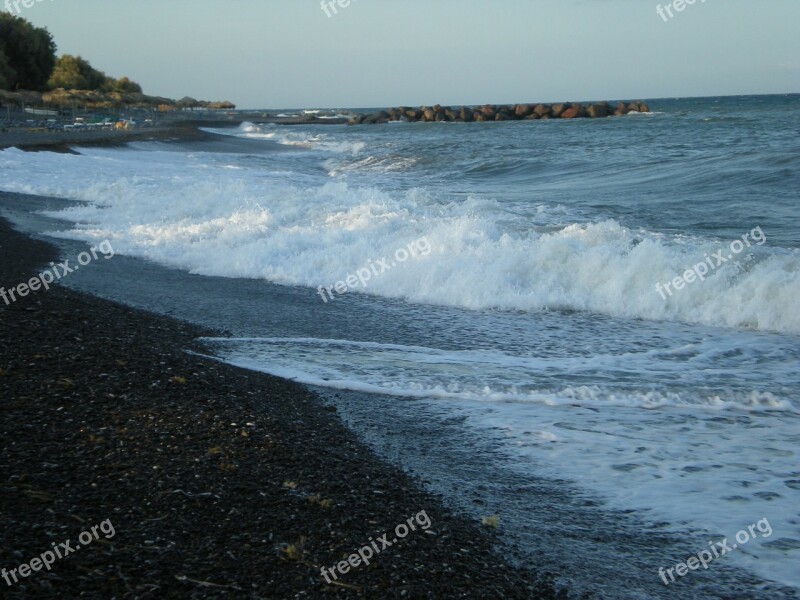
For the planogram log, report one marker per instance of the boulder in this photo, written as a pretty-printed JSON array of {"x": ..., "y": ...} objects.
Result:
[
  {"x": 541, "y": 110},
  {"x": 508, "y": 113},
  {"x": 465, "y": 114},
  {"x": 597, "y": 111},
  {"x": 376, "y": 118},
  {"x": 428, "y": 115},
  {"x": 557, "y": 109},
  {"x": 569, "y": 113},
  {"x": 643, "y": 108},
  {"x": 489, "y": 111},
  {"x": 573, "y": 112},
  {"x": 523, "y": 110}
]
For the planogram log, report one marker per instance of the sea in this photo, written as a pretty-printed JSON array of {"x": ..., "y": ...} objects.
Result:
[{"x": 587, "y": 328}]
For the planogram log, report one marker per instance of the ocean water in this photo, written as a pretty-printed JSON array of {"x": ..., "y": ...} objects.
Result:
[{"x": 513, "y": 286}]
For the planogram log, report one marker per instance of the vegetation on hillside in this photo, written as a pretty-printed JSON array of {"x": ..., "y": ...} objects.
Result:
[
  {"x": 31, "y": 75},
  {"x": 28, "y": 62},
  {"x": 27, "y": 54},
  {"x": 75, "y": 73}
]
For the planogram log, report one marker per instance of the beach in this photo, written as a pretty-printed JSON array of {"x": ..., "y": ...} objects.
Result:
[
  {"x": 27, "y": 139},
  {"x": 489, "y": 325},
  {"x": 359, "y": 302},
  {"x": 218, "y": 481}
]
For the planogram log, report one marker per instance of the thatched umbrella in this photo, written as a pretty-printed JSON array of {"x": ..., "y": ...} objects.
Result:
[
  {"x": 187, "y": 102},
  {"x": 226, "y": 105},
  {"x": 55, "y": 97},
  {"x": 159, "y": 100},
  {"x": 134, "y": 98}
]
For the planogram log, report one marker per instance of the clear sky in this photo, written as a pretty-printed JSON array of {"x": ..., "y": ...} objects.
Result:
[{"x": 289, "y": 53}]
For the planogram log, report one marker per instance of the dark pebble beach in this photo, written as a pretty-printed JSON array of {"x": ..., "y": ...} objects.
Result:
[{"x": 219, "y": 482}]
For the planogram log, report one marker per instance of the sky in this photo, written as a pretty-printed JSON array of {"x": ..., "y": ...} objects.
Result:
[{"x": 376, "y": 53}]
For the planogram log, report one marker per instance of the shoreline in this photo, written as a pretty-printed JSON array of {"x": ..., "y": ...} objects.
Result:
[
  {"x": 217, "y": 480},
  {"x": 62, "y": 141}
]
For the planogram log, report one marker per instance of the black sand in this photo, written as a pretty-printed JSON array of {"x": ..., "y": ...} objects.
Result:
[{"x": 218, "y": 481}]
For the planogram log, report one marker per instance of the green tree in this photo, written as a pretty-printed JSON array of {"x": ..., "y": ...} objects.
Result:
[
  {"x": 7, "y": 74},
  {"x": 75, "y": 73},
  {"x": 125, "y": 86},
  {"x": 29, "y": 54}
]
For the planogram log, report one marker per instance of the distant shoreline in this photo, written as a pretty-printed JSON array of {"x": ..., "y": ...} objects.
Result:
[
  {"x": 61, "y": 141},
  {"x": 30, "y": 139}
]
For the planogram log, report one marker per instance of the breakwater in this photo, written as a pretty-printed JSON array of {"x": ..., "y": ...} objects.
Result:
[{"x": 501, "y": 112}]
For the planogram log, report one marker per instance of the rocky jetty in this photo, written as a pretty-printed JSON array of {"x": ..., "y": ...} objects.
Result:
[{"x": 501, "y": 112}]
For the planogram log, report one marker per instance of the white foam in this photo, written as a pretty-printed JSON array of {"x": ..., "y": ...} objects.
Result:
[
  {"x": 495, "y": 376},
  {"x": 295, "y": 137},
  {"x": 675, "y": 456},
  {"x": 193, "y": 213},
  {"x": 638, "y": 445}
]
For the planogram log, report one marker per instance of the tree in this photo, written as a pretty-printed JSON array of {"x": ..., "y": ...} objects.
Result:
[
  {"x": 7, "y": 74},
  {"x": 75, "y": 73},
  {"x": 123, "y": 86},
  {"x": 28, "y": 54},
  {"x": 28, "y": 61}
]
